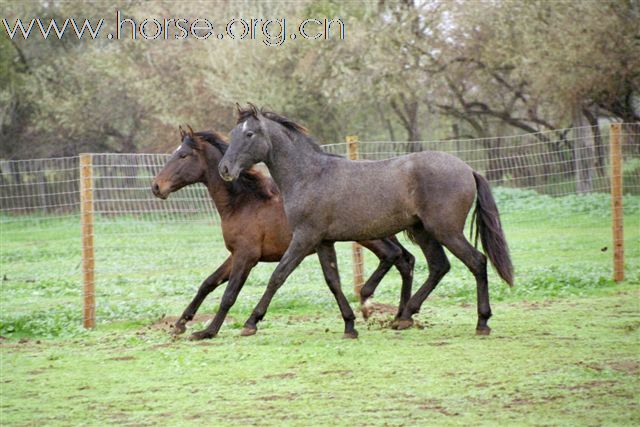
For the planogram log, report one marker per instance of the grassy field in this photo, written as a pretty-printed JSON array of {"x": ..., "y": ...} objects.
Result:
[{"x": 565, "y": 347}]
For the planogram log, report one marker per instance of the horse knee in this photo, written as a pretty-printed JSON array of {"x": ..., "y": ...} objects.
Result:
[
  {"x": 391, "y": 255},
  {"x": 407, "y": 256},
  {"x": 442, "y": 268},
  {"x": 405, "y": 262}
]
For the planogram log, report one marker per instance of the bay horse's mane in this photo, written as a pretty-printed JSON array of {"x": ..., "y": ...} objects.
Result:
[
  {"x": 299, "y": 132},
  {"x": 251, "y": 184}
]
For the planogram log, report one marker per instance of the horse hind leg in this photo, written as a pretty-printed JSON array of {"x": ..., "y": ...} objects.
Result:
[
  {"x": 405, "y": 267},
  {"x": 389, "y": 254},
  {"x": 438, "y": 266},
  {"x": 476, "y": 262}
]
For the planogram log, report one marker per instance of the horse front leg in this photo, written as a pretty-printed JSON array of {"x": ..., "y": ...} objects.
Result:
[
  {"x": 327, "y": 255},
  {"x": 301, "y": 246},
  {"x": 216, "y": 279},
  {"x": 240, "y": 270}
]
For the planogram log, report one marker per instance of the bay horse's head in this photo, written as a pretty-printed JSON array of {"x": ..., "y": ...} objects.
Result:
[
  {"x": 250, "y": 144},
  {"x": 187, "y": 165}
]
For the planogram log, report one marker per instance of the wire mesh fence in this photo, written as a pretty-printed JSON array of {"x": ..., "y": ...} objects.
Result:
[{"x": 151, "y": 254}]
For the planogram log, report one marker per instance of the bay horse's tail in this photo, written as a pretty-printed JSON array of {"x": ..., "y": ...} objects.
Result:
[{"x": 487, "y": 219}]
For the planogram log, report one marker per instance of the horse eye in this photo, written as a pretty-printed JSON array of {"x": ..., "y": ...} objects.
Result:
[
  {"x": 249, "y": 134},
  {"x": 183, "y": 155}
]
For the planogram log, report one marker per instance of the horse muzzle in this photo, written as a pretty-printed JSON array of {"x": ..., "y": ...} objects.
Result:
[
  {"x": 155, "y": 189},
  {"x": 225, "y": 172}
]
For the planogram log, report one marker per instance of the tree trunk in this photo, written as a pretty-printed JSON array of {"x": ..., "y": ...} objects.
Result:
[
  {"x": 414, "y": 136},
  {"x": 600, "y": 153},
  {"x": 407, "y": 112},
  {"x": 387, "y": 122},
  {"x": 583, "y": 153}
]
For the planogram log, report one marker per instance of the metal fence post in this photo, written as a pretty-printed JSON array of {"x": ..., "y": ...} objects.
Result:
[
  {"x": 616, "y": 203},
  {"x": 86, "y": 215},
  {"x": 356, "y": 250}
]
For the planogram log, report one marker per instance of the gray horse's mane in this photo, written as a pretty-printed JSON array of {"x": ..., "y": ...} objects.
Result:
[{"x": 297, "y": 131}]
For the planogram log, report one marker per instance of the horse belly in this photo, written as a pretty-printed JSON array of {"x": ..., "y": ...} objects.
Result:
[{"x": 374, "y": 222}]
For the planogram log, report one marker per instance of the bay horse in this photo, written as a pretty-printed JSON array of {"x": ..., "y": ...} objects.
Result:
[
  {"x": 327, "y": 199},
  {"x": 254, "y": 226}
]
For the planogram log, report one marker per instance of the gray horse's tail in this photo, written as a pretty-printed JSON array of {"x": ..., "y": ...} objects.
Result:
[{"x": 487, "y": 219}]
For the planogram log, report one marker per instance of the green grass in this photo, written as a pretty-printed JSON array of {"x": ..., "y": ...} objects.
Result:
[
  {"x": 571, "y": 361},
  {"x": 565, "y": 347}
]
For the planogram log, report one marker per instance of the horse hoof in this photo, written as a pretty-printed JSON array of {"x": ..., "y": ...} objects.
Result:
[
  {"x": 401, "y": 324},
  {"x": 178, "y": 329},
  {"x": 352, "y": 335},
  {"x": 201, "y": 335},
  {"x": 247, "y": 331},
  {"x": 367, "y": 309},
  {"x": 483, "y": 331}
]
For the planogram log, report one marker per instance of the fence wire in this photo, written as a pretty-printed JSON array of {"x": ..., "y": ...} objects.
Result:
[{"x": 151, "y": 254}]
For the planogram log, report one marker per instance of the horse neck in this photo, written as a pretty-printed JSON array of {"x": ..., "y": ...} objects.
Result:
[
  {"x": 290, "y": 162},
  {"x": 215, "y": 184}
]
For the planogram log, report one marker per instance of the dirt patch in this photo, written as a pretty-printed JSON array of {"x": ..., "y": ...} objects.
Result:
[
  {"x": 295, "y": 319},
  {"x": 162, "y": 345},
  {"x": 382, "y": 309},
  {"x": 589, "y": 385},
  {"x": 167, "y": 322},
  {"x": 535, "y": 305},
  {"x": 519, "y": 402},
  {"x": 122, "y": 358},
  {"x": 288, "y": 396},
  {"x": 434, "y": 405},
  {"x": 283, "y": 376},
  {"x": 631, "y": 367},
  {"x": 378, "y": 323},
  {"x": 338, "y": 372},
  {"x": 209, "y": 343}
]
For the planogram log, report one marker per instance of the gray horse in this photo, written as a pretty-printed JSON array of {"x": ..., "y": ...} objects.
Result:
[{"x": 329, "y": 198}]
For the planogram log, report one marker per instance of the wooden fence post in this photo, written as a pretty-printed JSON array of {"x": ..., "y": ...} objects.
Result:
[
  {"x": 616, "y": 203},
  {"x": 86, "y": 214},
  {"x": 358, "y": 263}
]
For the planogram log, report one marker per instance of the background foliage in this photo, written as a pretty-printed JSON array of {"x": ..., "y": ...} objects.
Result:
[{"x": 407, "y": 70}]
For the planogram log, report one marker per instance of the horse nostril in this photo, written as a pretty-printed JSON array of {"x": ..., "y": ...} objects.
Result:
[{"x": 155, "y": 188}]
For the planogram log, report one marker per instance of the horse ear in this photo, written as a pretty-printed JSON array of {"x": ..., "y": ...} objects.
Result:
[
  {"x": 190, "y": 131},
  {"x": 182, "y": 132},
  {"x": 254, "y": 110}
]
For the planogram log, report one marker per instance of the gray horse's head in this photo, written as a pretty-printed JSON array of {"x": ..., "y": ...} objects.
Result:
[{"x": 250, "y": 144}]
